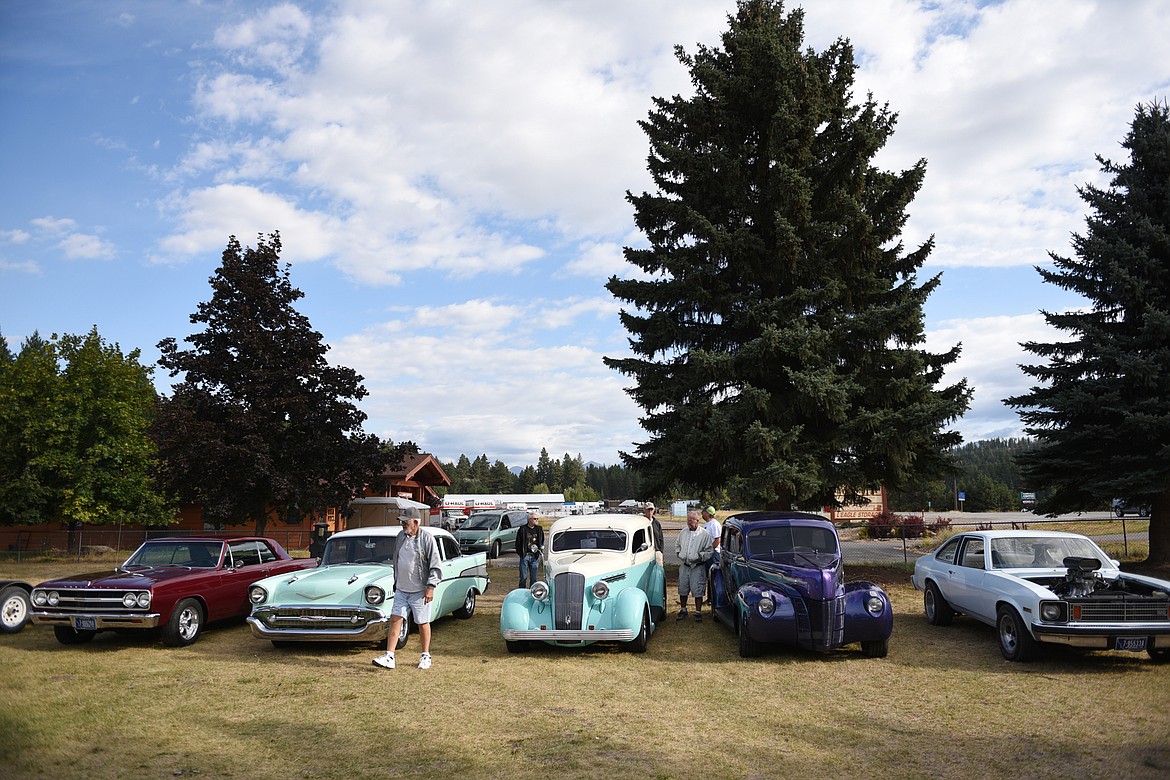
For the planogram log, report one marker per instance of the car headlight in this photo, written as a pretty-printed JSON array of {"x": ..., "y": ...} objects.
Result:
[
  {"x": 375, "y": 595},
  {"x": 144, "y": 599},
  {"x": 54, "y": 598},
  {"x": 539, "y": 591},
  {"x": 1053, "y": 611},
  {"x": 874, "y": 604},
  {"x": 600, "y": 589},
  {"x": 257, "y": 595},
  {"x": 39, "y": 598},
  {"x": 767, "y": 605},
  {"x": 129, "y": 600}
]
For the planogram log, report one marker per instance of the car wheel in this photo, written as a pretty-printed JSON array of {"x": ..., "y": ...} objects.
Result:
[
  {"x": 638, "y": 644},
  {"x": 1159, "y": 655},
  {"x": 517, "y": 646},
  {"x": 1143, "y": 512},
  {"x": 1015, "y": 642},
  {"x": 495, "y": 551},
  {"x": 14, "y": 609},
  {"x": 876, "y": 648},
  {"x": 185, "y": 624},
  {"x": 67, "y": 635},
  {"x": 748, "y": 647},
  {"x": 1119, "y": 512},
  {"x": 403, "y": 633},
  {"x": 468, "y": 608},
  {"x": 938, "y": 611}
]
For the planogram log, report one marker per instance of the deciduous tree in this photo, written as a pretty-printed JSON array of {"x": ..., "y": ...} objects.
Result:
[
  {"x": 75, "y": 415},
  {"x": 260, "y": 424},
  {"x": 1101, "y": 408},
  {"x": 777, "y": 326}
]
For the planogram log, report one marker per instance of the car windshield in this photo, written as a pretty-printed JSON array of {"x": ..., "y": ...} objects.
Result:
[
  {"x": 589, "y": 539},
  {"x": 359, "y": 549},
  {"x": 1029, "y": 552},
  {"x": 198, "y": 555},
  {"x": 480, "y": 522},
  {"x": 788, "y": 541}
]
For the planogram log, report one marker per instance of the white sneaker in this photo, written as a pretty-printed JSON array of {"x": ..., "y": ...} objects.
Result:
[
  {"x": 385, "y": 660},
  {"x": 424, "y": 661}
]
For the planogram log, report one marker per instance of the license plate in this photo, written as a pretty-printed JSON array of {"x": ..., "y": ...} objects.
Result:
[
  {"x": 1133, "y": 643},
  {"x": 85, "y": 624}
]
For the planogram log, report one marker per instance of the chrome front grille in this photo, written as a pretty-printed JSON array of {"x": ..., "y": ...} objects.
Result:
[
  {"x": 1120, "y": 611},
  {"x": 86, "y": 600},
  {"x": 320, "y": 618},
  {"x": 568, "y": 600}
]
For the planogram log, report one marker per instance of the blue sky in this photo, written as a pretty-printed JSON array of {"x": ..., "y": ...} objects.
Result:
[{"x": 448, "y": 180}]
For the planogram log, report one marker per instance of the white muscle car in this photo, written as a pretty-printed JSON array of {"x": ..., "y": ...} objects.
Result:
[{"x": 1045, "y": 587}]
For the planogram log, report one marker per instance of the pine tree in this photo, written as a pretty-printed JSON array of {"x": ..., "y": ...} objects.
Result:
[
  {"x": 777, "y": 328},
  {"x": 1101, "y": 408},
  {"x": 260, "y": 424}
]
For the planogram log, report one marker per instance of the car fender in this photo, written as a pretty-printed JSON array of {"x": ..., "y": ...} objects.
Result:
[
  {"x": 628, "y": 608},
  {"x": 517, "y": 610},
  {"x": 780, "y": 626},
  {"x": 860, "y": 624}
]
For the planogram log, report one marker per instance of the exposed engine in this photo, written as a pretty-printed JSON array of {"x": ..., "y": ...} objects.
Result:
[{"x": 1081, "y": 580}]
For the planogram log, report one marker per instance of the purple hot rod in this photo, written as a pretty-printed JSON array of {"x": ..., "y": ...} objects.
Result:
[{"x": 778, "y": 579}]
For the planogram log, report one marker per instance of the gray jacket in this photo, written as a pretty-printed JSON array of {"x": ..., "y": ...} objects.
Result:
[{"x": 416, "y": 573}]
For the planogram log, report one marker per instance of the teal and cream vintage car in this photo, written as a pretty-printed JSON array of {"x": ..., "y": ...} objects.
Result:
[
  {"x": 348, "y": 598},
  {"x": 604, "y": 584}
]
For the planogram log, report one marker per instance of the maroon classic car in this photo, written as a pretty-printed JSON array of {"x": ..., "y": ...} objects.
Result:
[{"x": 176, "y": 584}]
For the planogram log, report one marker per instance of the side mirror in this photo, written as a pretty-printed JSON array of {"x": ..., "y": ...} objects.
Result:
[{"x": 645, "y": 546}]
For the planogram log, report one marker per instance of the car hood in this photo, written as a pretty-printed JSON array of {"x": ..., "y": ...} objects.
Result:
[
  {"x": 472, "y": 534},
  {"x": 588, "y": 563},
  {"x": 810, "y": 582},
  {"x": 138, "y": 578},
  {"x": 337, "y": 584}
]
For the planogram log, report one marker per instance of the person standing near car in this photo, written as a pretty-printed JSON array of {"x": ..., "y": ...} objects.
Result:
[
  {"x": 694, "y": 553},
  {"x": 713, "y": 526},
  {"x": 417, "y": 571},
  {"x": 529, "y": 543},
  {"x": 656, "y": 529}
]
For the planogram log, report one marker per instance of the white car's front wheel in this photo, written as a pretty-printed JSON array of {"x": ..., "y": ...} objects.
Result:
[{"x": 1015, "y": 643}]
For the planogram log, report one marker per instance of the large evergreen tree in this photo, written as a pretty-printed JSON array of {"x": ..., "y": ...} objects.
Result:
[
  {"x": 1101, "y": 410},
  {"x": 260, "y": 424},
  {"x": 778, "y": 328}
]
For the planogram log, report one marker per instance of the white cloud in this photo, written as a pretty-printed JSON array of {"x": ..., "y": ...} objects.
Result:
[{"x": 79, "y": 246}]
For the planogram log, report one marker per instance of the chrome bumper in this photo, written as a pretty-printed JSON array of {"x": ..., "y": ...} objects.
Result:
[
  {"x": 100, "y": 619},
  {"x": 373, "y": 631},
  {"x": 1101, "y": 635},
  {"x": 572, "y": 635}
]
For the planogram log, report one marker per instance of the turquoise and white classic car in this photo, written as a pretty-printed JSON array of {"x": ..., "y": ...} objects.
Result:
[
  {"x": 348, "y": 598},
  {"x": 604, "y": 584}
]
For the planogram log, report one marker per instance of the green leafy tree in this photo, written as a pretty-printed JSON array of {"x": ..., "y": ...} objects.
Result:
[
  {"x": 1101, "y": 407},
  {"x": 75, "y": 416},
  {"x": 778, "y": 324},
  {"x": 260, "y": 424},
  {"x": 500, "y": 479}
]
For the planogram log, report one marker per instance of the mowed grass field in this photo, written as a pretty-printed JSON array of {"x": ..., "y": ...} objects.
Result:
[{"x": 942, "y": 705}]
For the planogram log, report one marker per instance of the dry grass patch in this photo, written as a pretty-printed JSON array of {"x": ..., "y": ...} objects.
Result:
[{"x": 943, "y": 704}]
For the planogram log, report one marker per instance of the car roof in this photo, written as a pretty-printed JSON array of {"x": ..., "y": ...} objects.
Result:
[
  {"x": 1010, "y": 533},
  {"x": 387, "y": 530},
  {"x": 779, "y": 517},
  {"x": 617, "y": 521}
]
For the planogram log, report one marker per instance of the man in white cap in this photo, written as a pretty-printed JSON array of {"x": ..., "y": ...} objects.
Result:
[
  {"x": 417, "y": 571},
  {"x": 713, "y": 526}
]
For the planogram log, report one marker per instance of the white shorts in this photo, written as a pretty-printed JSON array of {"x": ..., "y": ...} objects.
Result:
[{"x": 412, "y": 603}]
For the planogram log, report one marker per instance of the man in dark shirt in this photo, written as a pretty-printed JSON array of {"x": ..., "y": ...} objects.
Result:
[{"x": 529, "y": 543}]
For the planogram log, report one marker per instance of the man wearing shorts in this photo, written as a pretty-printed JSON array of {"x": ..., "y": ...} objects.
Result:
[
  {"x": 694, "y": 552},
  {"x": 417, "y": 570}
]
